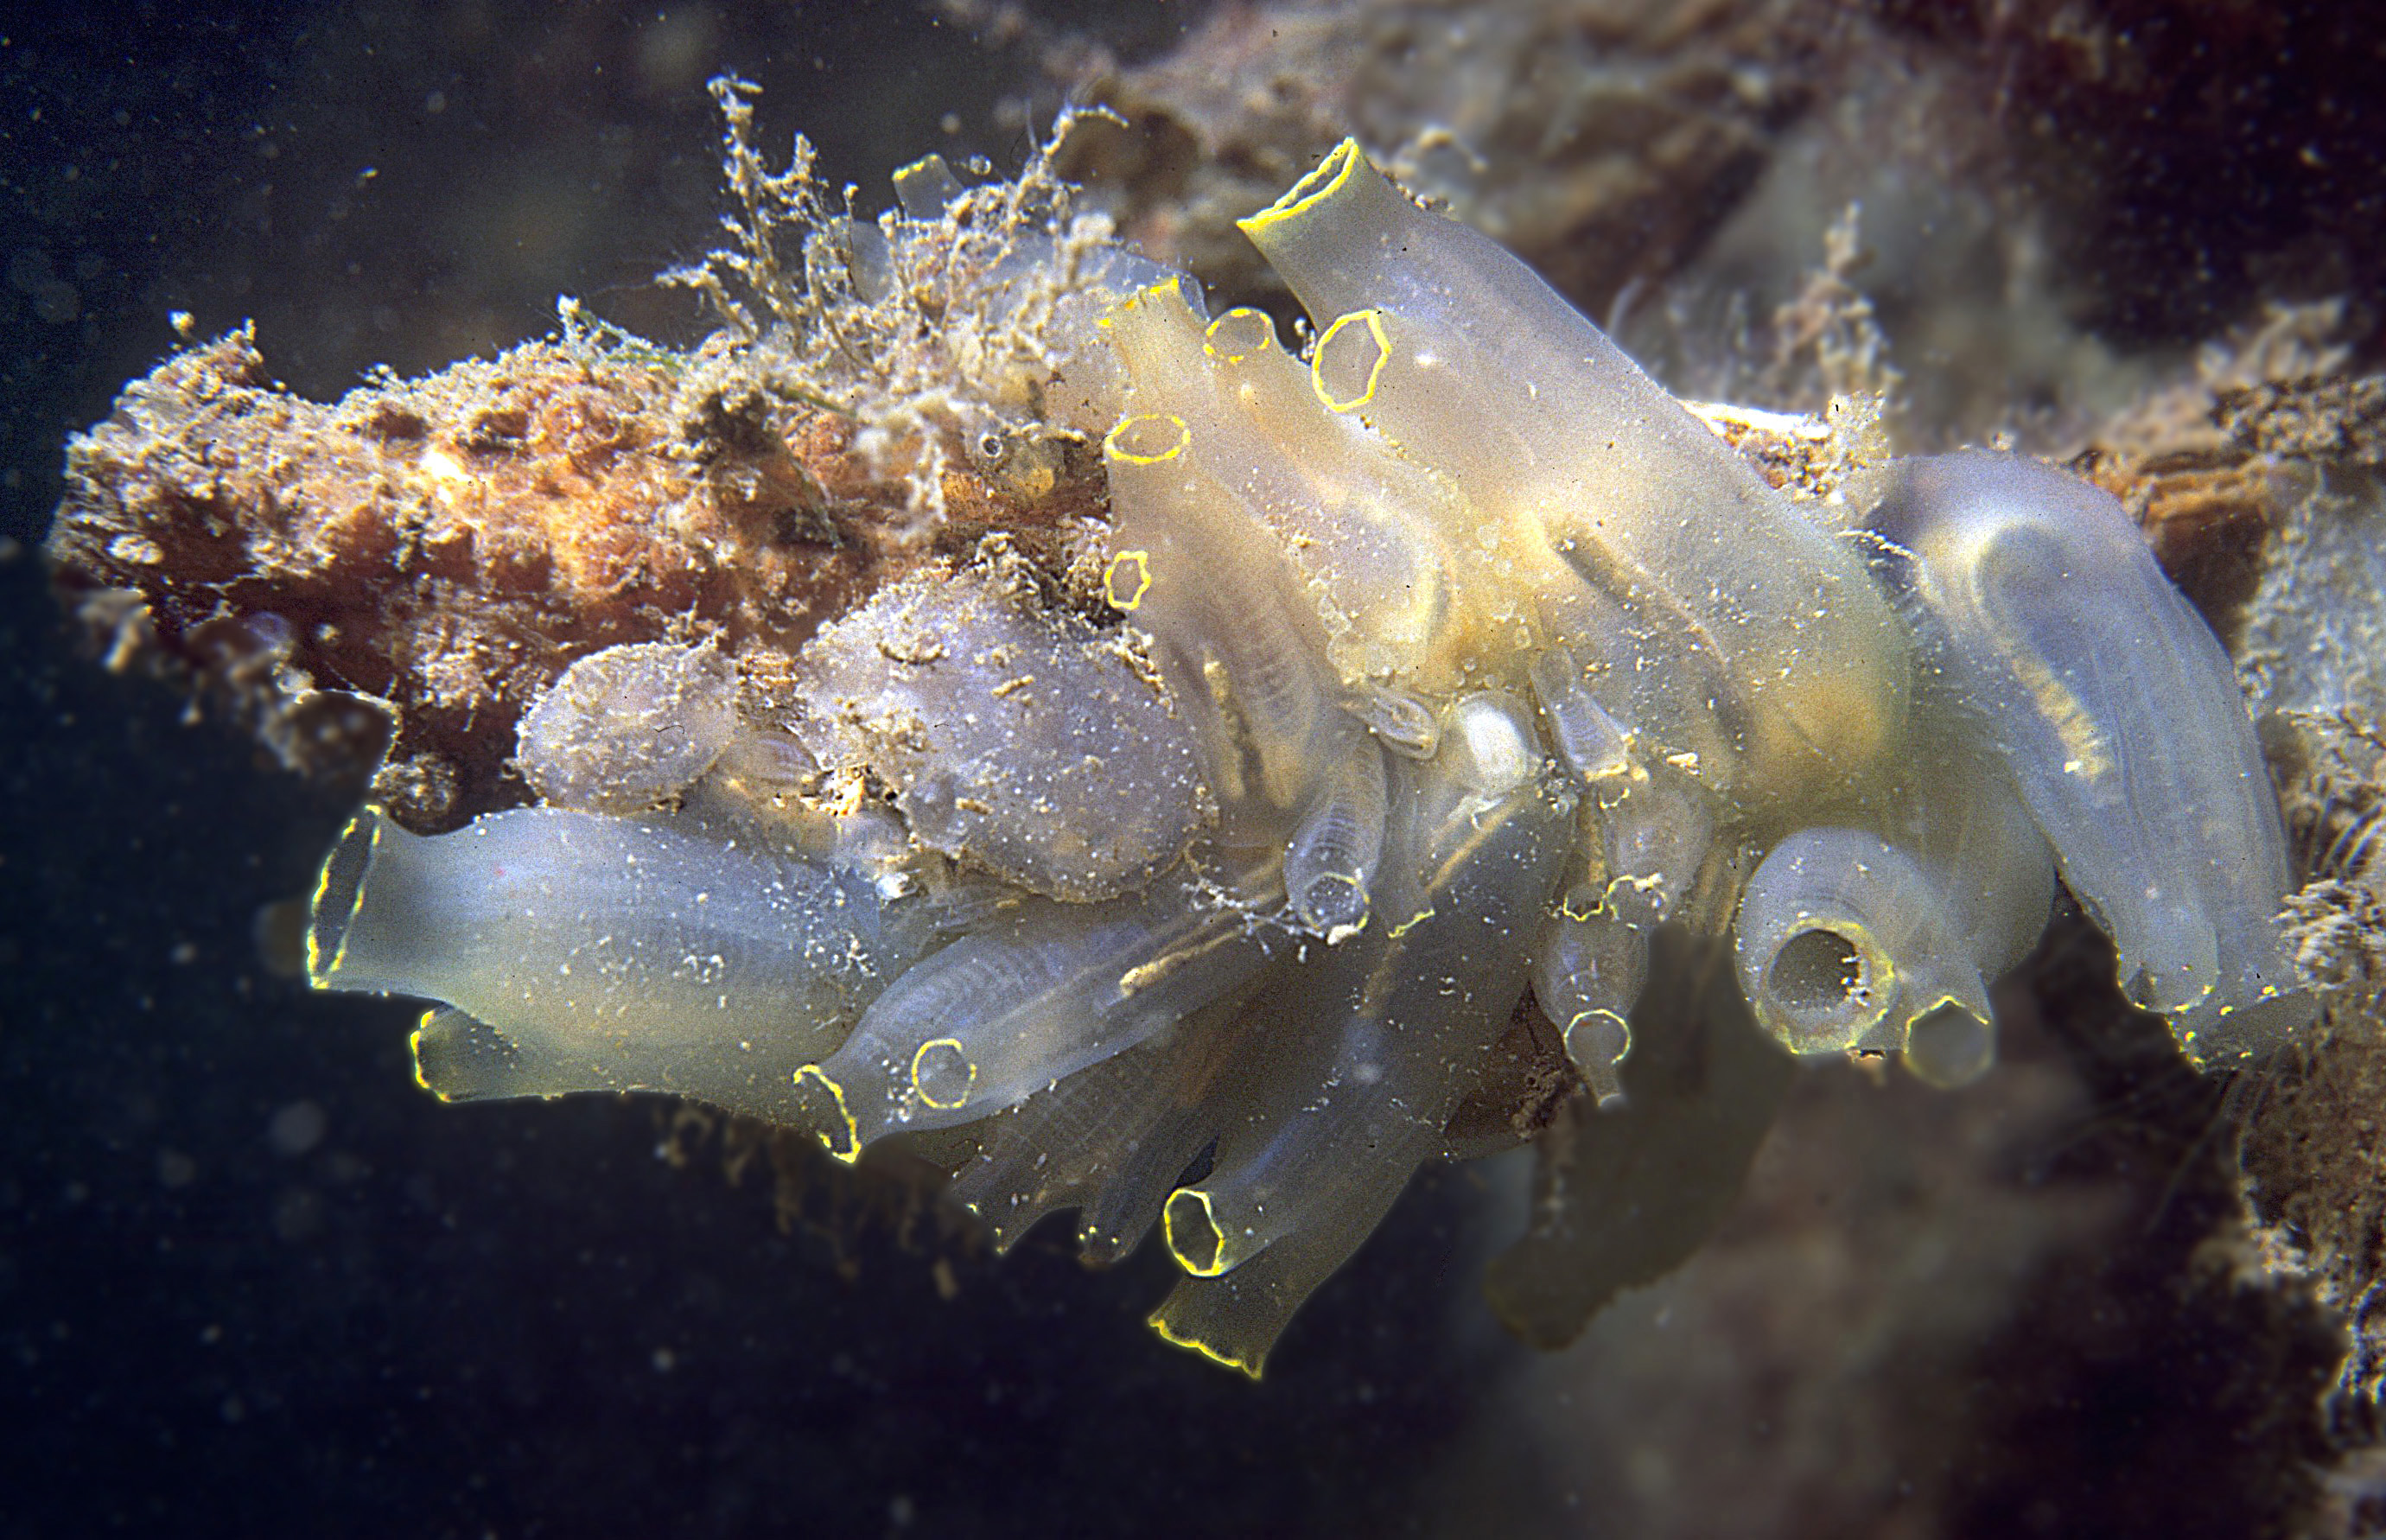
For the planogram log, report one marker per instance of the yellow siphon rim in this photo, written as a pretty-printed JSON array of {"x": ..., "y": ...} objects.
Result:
[
  {"x": 1240, "y": 314},
  {"x": 1170, "y": 287},
  {"x": 1375, "y": 321},
  {"x": 1337, "y": 934},
  {"x": 1158, "y": 1323},
  {"x": 920, "y": 1058},
  {"x": 1217, "y": 1262},
  {"x": 1597, "y": 1014},
  {"x": 1142, "y": 560},
  {"x": 852, "y": 1150},
  {"x": 1323, "y": 180},
  {"x": 317, "y": 972},
  {"x": 930, "y": 164},
  {"x": 1914, "y": 1019},
  {"x": 1878, "y": 973},
  {"x": 414, "y": 1048},
  {"x": 1113, "y": 449}
]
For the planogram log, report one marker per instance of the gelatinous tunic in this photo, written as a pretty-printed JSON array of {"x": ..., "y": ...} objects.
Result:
[{"x": 1446, "y": 665}]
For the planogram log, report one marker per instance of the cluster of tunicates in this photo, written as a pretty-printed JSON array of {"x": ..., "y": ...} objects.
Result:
[{"x": 1435, "y": 670}]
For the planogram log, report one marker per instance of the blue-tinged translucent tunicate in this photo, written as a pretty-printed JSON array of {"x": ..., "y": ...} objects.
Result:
[
  {"x": 2118, "y": 713},
  {"x": 628, "y": 727},
  {"x": 578, "y": 952},
  {"x": 1017, "y": 740}
]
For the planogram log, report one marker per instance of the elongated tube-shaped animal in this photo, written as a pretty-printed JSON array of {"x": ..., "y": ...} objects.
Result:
[
  {"x": 1219, "y": 917},
  {"x": 1846, "y": 944},
  {"x": 1588, "y": 972},
  {"x": 1364, "y": 1064},
  {"x": 607, "y": 954},
  {"x": 1458, "y": 352},
  {"x": 1592, "y": 743},
  {"x": 1238, "y": 645},
  {"x": 1009, "y": 1009},
  {"x": 1329, "y": 869},
  {"x": 1109, "y": 1141},
  {"x": 1989, "y": 860},
  {"x": 2118, "y": 713},
  {"x": 1321, "y": 494}
]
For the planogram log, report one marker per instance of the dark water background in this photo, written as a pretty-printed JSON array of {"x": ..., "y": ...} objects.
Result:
[{"x": 252, "y": 1280}]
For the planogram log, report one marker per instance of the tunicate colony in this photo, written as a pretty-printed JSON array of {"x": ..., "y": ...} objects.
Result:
[{"x": 1442, "y": 666}]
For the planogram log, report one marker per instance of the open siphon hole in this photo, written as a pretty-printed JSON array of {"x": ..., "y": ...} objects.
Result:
[{"x": 1815, "y": 970}]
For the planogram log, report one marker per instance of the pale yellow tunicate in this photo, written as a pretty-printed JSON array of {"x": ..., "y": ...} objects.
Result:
[{"x": 1447, "y": 346}]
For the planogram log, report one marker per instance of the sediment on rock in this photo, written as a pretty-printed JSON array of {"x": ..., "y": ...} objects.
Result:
[{"x": 391, "y": 579}]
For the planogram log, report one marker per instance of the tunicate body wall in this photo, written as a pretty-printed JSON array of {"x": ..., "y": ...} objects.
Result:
[{"x": 1436, "y": 668}]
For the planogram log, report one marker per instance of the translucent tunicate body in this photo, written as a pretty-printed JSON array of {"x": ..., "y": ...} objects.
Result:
[
  {"x": 1016, "y": 740},
  {"x": 1847, "y": 944},
  {"x": 1032, "y": 996},
  {"x": 1366, "y": 1060},
  {"x": 1450, "y": 667},
  {"x": 2117, "y": 712},
  {"x": 629, "y": 727},
  {"x": 578, "y": 952},
  {"x": 1448, "y": 347}
]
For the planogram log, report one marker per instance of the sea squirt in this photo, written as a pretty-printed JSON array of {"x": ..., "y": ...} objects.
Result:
[
  {"x": 2117, "y": 710},
  {"x": 1441, "y": 665}
]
